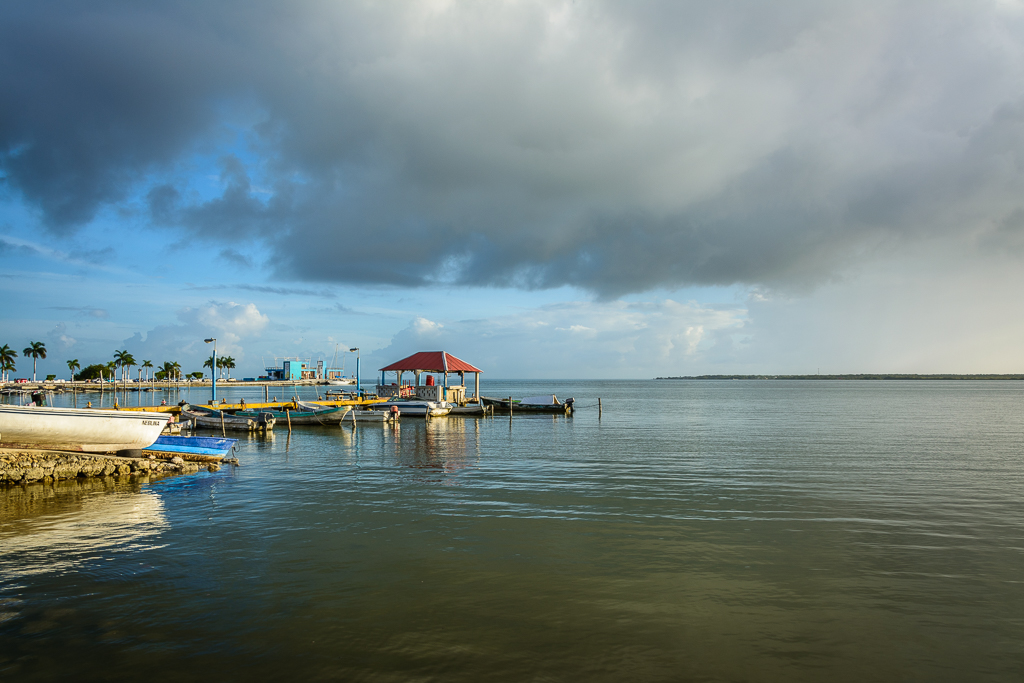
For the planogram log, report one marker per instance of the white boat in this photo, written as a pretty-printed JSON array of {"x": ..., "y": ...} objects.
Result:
[
  {"x": 78, "y": 429},
  {"x": 425, "y": 408},
  {"x": 378, "y": 416},
  {"x": 334, "y": 375}
]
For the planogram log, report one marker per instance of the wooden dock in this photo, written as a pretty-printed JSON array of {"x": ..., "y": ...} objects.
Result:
[{"x": 273, "y": 405}]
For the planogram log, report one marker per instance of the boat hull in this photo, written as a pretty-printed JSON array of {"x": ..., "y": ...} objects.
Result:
[
  {"x": 199, "y": 445},
  {"x": 301, "y": 417},
  {"x": 212, "y": 420},
  {"x": 379, "y": 416},
  {"x": 80, "y": 430},
  {"x": 469, "y": 410},
  {"x": 518, "y": 407},
  {"x": 416, "y": 408}
]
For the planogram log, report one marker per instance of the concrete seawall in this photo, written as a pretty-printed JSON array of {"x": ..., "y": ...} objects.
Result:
[{"x": 27, "y": 466}]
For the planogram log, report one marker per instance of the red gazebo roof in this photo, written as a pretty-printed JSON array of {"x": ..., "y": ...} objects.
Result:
[{"x": 431, "y": 361}]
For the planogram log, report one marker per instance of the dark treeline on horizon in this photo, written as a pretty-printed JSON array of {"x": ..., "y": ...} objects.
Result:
[{"x": 860, "y": 376}]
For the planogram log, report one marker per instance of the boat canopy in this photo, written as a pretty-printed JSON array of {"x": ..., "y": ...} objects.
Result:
[{"x": 431, "y": 361}]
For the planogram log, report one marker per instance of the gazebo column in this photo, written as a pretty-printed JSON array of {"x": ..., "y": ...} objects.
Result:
[{"x": 476, "y": 389}]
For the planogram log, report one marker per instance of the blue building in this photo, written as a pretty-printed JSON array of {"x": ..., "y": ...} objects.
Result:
[{"x": 294, "y": 369}]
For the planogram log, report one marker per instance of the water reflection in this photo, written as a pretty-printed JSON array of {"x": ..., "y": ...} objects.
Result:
[
  {"x": 444, "y": 444},
  {"x": 57, "y": 527},
  {"x": 739, "y": 531}
]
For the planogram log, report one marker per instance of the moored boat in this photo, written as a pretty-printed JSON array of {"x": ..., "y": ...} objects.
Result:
[
  {"x": 379, "y": 416},
  {"x": 547, "y": 403},
  {"x": 469, "y": 410},
  {"x": 334, "y": 375},
  {"x": 412, "y": 407},
  {"x": 197, "y": 445},
  {"x": 218, "y": 419},
  {"x": 78, "y": 429},
  {"x": 307, "y": 414}
]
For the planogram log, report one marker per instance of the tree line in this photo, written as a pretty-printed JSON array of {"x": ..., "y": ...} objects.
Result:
[{"x": 119, "y": 368}]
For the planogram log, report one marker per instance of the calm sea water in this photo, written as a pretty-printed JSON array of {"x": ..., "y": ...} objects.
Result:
[{"x": 699, "y": 531}]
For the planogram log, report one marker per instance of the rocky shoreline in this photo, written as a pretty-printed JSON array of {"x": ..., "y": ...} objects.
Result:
[{"x": 22, "y": 466}]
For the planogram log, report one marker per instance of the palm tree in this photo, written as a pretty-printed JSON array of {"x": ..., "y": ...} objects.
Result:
[
  {"x": 129, "y": 361},
  {"x": 37, "y": 350},
  {"x": 168, "y": 369},
  {"x": 146, "y": 364},
  {"x": 7, "y": 356},
  {"x": 176, "y": 367},
  {"x": 229, "y": 364},
  {"x": 72, "y": 366},
  {"x": 209, "y": 364},
  {"x": 120, "y": 361}
]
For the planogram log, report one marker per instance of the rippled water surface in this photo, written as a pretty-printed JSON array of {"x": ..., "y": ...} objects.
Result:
[{"x": 741, "y": 531}]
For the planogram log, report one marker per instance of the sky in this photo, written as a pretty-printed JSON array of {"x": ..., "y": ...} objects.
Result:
[{"x": 545, "y": 189}]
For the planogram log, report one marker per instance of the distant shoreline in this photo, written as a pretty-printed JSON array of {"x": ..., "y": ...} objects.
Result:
[{"x": 878, "y": 376}]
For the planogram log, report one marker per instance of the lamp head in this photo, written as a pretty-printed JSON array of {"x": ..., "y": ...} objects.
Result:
[
  {"x": 353, "y": 350},
  {"x": 210, "y": 340}
]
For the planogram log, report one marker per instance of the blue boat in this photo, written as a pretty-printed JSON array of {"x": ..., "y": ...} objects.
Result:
[{"x": 199, "y": 445}]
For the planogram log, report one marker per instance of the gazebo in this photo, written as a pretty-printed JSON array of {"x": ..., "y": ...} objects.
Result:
[{"x": 439, "y": 362}]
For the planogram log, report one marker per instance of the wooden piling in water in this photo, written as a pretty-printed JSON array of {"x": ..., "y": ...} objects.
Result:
[
  {"x": 288, "y": 414},
  {"x": 599, "y": 406},
  {"x": 223, "y": 432}
]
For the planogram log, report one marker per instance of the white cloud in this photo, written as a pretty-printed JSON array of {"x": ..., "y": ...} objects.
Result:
[
  {"x": 577, "y": 339},
  {"x": 426, "y": 328},
  {"x": 232, "y": 324},
  {"x": 229, "y": 322},
  {"x": 59, "y": 337}
]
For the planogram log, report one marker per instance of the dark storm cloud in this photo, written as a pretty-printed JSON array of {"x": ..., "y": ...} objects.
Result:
[{"x": 613, "y": 146}]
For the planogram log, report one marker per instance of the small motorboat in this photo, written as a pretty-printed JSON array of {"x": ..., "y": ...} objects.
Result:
[
  {"x": 78, "y": 429},
  {"x": 413, "y": 407},
  {"x": 377, "y": 416},
  {"x": 547, "y": 403},
  {"x": 305, "y": 414},
  {"x": 201, "y": 416},
  {"x": 469, "y": 410},
  {"x": 195, "y": 445}
]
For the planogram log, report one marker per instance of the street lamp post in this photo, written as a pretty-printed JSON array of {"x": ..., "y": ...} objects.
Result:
[
  {"x": 213, "y": 369},
  {"x": 358, "y": 390}
]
